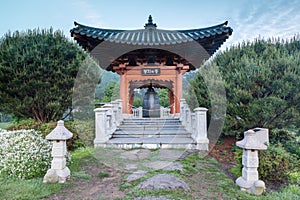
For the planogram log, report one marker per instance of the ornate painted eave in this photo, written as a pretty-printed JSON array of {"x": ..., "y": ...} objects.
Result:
[{"x": 211, "y": 38}]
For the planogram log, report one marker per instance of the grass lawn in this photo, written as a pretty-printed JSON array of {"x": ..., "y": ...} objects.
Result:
[
  {"x": 14, "y": 189},
  {"x": 203, "y": 175},
  {"x": 4, "y": 125}
]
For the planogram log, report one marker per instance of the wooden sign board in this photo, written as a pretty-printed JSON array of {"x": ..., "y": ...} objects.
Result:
[{"x": 151, "y": 71}]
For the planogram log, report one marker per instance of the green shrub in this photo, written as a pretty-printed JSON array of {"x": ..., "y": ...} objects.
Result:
[
  {"x": 24, "y": 154},
  {"x": 294, "y": 178},
  {"x": 280, "y": 136},
  {"x": 26, "y": 124},
  {"x": 293, "y": 147},
  {"x": 237, "y": 170},
  {"x": 275, "y": 164},
  {"x": 287, "y": 139},
  {"x": 83, "y": 131}
]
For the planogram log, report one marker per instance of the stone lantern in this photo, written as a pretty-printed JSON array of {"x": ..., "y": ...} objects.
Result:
[
  {"x": 254, "y": 140},
  {"x": 58, "y": 172}
]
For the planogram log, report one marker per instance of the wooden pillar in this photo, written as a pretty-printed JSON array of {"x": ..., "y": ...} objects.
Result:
[
  {"x": 178, "y": 94},
  {"x": 130, "y": 103},
  {"x": 171, "y": 101},
  {"x": 123, "y": 87}
]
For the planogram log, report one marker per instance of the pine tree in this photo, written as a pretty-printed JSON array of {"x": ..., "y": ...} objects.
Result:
[
  {"x": 37, "y": 72},
  {"x": 262, "y": 83}
]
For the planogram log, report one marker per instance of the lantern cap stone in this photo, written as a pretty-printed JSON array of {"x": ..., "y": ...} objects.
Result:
[
  {"x": 200, "y": 109},
  {"x": 257, "y": 138},
  {"x": 60, "y": 132}
]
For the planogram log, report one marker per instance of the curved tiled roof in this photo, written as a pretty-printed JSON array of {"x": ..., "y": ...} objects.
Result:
[
  {"x": 135, "y": 37},
  {"x": 210, "y": 38}
]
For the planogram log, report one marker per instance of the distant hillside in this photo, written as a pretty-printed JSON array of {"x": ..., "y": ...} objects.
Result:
[{"x": 106, "y": 78}]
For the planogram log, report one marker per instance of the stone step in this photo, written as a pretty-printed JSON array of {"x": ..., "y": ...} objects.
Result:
[
  {"x": 158, "y": 120},
  {"x": 152, "y": 140},
  {"x": 151, "y": 123},
  {"x": 145, "y": 119},
  {"x": 150, "y": 128},
  {"x": 152, "y": 131},
  {"x": 148, "y": 136}
]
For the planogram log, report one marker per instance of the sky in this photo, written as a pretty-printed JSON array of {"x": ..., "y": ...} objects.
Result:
[{"x": 249, "y": 19}]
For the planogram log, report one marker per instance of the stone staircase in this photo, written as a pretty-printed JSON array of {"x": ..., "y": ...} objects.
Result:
[
  {"x": 151, "y": 133},
  {"x": 114, "y": 129}
]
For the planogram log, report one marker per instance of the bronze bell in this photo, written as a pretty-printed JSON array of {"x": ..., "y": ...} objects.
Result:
[{"x": 151, "y": 106}]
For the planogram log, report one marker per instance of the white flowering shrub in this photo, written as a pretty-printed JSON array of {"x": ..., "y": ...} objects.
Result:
[{"x": 24, "y": 154}]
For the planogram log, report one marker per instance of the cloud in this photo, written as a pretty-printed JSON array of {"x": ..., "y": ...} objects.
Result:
[
  {"x": 265, "y": 19},
  {"x": 91, "y": 15}
]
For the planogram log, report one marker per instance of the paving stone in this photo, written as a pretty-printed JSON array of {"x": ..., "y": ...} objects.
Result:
[
  {"x": 138, "y": 154},
  {"x": 150, "y": 198},
  {"x": 118, "y": 150},
  {"x": 164, "y": 165},
  {"x": 170, "y": 154},
  {"x": 143, "y": 153},
  {"x": 156, "y": 165},
  {"x": 130, "y": 155},
  {"x": 184, "y": 155},
  {"x": 136, "y": 175},
  {"x": 131, "y": 167},
  {"x": 174, "y": 166},
  {"x": 163, "y": 181}
]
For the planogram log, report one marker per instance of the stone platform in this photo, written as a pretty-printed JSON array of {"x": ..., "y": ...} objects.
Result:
[{"x": 151, "y": 133}]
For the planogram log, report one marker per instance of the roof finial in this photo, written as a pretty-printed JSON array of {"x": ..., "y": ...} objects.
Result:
[
  {"x": 150, "y": 23},
  {"x": 150, "y": 19}
]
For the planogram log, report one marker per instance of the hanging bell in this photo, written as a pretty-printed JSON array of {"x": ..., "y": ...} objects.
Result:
[{"x": 151, "y": 106}]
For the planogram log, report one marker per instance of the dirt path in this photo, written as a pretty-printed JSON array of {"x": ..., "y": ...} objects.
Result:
[
  {"x": 93, "y": 187},
  {"x": 103, "y": 176}
]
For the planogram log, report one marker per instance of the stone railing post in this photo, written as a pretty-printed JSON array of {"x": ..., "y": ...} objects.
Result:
[
  {"x": 120, "y": 109},
  {"x": 140, "y": 112},
  {"x": 162, "y": 112},
  {"x": 111, "y": 121},
  {"x": 58, "y": 172},
  {"x": 115, "y": 112},
  {"x": 182, "y": 111},
  {"x": 193, "y": 125},
  {"x": 254, "y": 140},
  {"x": 101, "y": 135},
  {"x": 200, "y": 135},
  {"x": 188, "y": 118}
]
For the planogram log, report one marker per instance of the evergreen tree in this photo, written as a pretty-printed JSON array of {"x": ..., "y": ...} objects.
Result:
[
  {"x": 262, "y": 82},
  {"x": 37, "y": 72},
  {"x": 110, "y": 92},
  {"x": 163, "y": 97}
]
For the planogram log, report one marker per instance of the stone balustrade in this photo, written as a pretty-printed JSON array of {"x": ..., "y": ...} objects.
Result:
[
  {"x": 196, "y": 123},
  {"x": 107, "y": 119},
  {"x": 138, "y": 112},
  {"x": 164, "y": 112}
]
